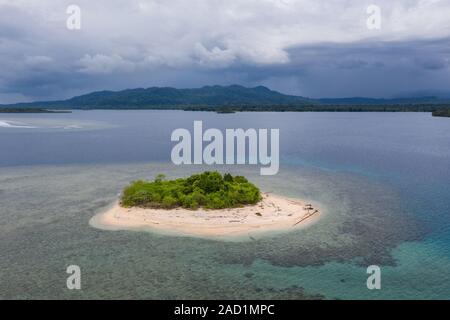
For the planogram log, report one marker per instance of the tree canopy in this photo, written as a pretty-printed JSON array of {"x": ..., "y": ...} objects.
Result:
[{"x": 209, "y": 190}]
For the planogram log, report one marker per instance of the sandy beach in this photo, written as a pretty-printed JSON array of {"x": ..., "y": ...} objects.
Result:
[{"x": 274, "y": 214}]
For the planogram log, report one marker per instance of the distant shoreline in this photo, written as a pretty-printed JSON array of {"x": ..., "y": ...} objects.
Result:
[
  {"x": 434, "y": 110},
  {"x": 31, "y": 110},
  {"x": 230, "y": 99},
  {"x": 274, "y": 214}
]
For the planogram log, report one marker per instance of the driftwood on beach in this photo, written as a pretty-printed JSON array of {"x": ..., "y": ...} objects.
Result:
[{"x": 306, "y": 216}]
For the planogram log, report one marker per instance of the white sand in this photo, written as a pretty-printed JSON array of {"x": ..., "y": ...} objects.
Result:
[{"x": 273, "y": 214}]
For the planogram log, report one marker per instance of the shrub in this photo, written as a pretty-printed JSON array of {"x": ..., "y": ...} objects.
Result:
[{"x": 169, "y": 202}]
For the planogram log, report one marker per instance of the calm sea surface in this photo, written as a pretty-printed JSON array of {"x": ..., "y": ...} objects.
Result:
[{"x": 383, "y": 180}]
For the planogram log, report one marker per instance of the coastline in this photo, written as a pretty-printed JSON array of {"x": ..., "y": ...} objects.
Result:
[{"x": 273, "y": 214}]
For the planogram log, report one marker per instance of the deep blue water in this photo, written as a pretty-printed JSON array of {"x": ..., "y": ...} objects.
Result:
[{"x": 399, "y": 162}]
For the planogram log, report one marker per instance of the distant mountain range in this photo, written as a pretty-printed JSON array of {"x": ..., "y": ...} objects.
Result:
[{"x": 234, "y": 98}]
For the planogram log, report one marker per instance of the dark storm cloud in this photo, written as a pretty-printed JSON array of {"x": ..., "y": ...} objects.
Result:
[
  {"x": 293, "y": 46},
  {"x": 378, "y": 69}
]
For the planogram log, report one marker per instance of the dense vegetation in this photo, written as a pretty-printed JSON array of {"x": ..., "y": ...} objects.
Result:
[
  {"x": 442, "y": 113},
  {"x": 209, "y": 189},
  {"x": 171, "y": 98}
]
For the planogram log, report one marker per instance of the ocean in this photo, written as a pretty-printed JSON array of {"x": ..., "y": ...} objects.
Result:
[{"x": 382, "y": 178}]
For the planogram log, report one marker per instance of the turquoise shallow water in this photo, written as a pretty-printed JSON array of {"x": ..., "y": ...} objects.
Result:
[{"x": 383, "y": 179}]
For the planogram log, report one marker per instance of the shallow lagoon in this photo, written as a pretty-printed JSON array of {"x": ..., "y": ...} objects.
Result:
[{"x": 383, "y": 178}]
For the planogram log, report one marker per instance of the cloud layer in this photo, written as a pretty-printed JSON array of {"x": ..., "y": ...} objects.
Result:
[{"x": 313, "y": 48}]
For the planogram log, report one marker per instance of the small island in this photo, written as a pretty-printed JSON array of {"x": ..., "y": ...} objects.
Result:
[
  {"x": 207, "y": 205},
  {"x": 31, "y": 110},
  {"x": 441, "y": 113}
]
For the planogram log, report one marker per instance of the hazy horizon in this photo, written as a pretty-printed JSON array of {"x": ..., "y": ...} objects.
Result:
[{"x": 418, "y": 95}]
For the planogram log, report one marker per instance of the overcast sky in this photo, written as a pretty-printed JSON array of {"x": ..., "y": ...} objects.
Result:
[{"x": 313, "y": 48}]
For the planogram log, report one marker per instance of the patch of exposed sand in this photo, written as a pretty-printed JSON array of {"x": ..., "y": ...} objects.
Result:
[{"x": 272, "y": 214}]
